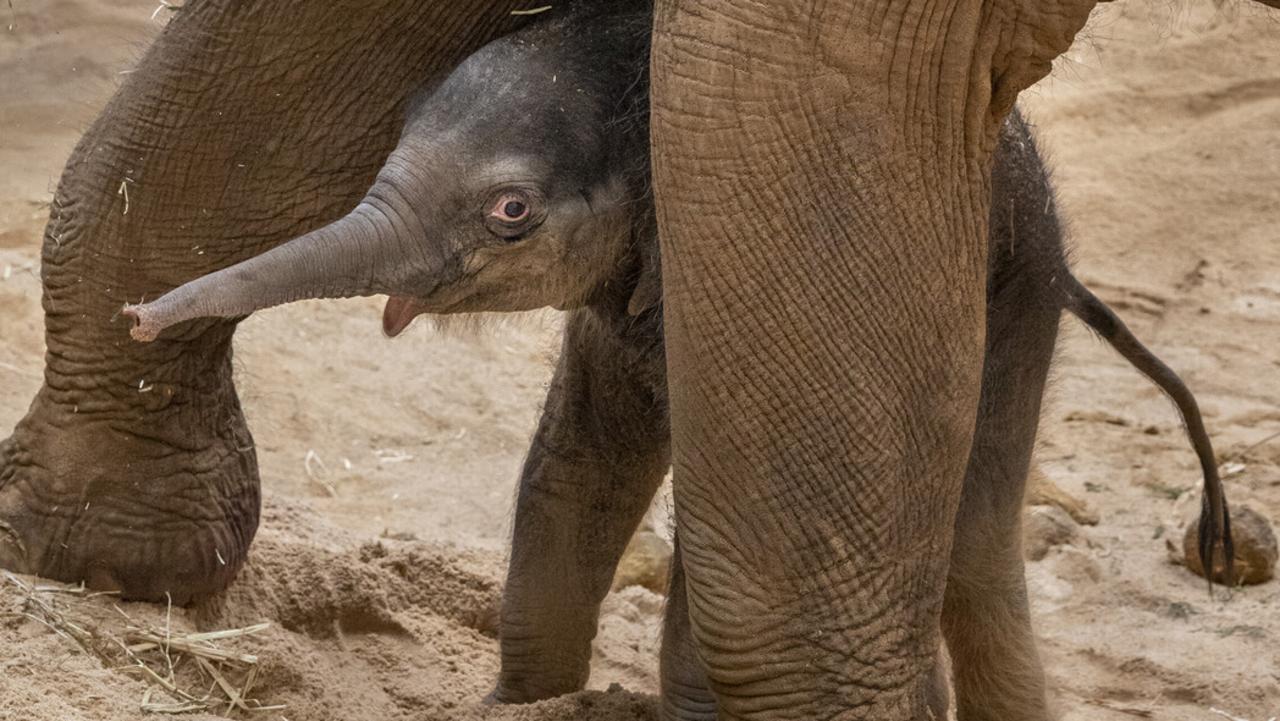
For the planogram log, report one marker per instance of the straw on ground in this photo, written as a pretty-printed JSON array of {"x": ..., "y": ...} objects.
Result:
[{"x": 184, "y": 672}]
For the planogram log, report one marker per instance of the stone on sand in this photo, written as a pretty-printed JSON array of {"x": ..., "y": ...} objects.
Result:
[
  {"x": 1255, "y": 548},
  {"x": 646, "y": 562},
  {"x": 1043, "y": 492}
]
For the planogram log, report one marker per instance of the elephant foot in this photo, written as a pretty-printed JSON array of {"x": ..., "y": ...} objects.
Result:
[
  {"x": 151, "y": 502},
  {"x": 538, "y": 684},
  {"x": 687, "y": 704},
  {"x": 545, "y": 652},
  {"x": 529, "y": 690}
]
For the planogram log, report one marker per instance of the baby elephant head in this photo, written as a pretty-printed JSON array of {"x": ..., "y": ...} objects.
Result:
[{"x": 517, "y": 184}]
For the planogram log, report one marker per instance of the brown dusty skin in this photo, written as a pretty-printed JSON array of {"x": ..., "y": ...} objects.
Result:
[{"x": 434, "y": 425}]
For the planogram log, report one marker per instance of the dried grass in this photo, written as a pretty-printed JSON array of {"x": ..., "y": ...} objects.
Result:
[
  {"x": 184, "y": 672},
  {"x": 318, "y": 472},
  {"x": 532, "y": 11}
]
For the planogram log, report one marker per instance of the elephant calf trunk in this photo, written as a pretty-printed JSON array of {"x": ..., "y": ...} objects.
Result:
[{"x": 336, "y": 261}]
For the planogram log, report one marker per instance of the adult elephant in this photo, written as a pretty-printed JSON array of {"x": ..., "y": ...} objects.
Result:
[{"x": 822, "y": 173}]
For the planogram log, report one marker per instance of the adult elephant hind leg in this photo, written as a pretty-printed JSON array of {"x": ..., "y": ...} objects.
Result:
[
  {"x": 685, "y": 692},
  {"x": 985, "y": 617},
  {"x": 938, "y": 693},
  {"x": 599, "y": 455}
]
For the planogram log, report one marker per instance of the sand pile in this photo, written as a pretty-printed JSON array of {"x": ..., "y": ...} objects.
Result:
[{"x": 382, "y": 629}]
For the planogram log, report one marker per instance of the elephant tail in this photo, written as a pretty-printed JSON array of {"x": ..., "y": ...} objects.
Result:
[{"x": 1215, "y": 518}]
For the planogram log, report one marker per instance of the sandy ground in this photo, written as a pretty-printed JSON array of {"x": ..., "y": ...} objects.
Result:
[{"x": 388, "y": 466}]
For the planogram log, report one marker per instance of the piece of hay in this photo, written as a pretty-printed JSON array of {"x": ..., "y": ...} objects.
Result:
[{"x": 184, "y": 672}]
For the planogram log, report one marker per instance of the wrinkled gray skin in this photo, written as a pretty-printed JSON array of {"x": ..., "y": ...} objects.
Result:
[{"x": 554, "y": 118}]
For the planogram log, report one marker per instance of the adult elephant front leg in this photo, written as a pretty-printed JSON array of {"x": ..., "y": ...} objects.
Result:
[
  {"x": 823, "y": 185},
  {"x": 248, "y": 122},
  {"x": 599, "y": 454}
]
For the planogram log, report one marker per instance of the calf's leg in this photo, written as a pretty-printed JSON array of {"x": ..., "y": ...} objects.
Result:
[{"x": 600, "y": 452}]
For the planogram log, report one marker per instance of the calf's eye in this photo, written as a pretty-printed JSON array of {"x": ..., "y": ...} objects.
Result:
[
  {"x": 510, "y": 207},
  {"x": 514, "y": 210},
  {"x": 512, "y": 213}
]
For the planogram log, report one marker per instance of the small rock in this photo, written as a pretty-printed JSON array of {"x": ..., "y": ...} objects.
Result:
[
  {"x": 1044, "y": 527},
  {"x": 1043, "y": 492},
  {"x": 1255, "y": 548},
  {"x": 646, "y": 562}
]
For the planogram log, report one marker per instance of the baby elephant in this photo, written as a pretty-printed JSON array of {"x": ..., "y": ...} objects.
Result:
[{"x": 522, "y": 181}]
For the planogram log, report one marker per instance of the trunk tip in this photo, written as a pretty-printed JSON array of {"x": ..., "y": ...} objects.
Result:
[{"x": 145, "y": 327}]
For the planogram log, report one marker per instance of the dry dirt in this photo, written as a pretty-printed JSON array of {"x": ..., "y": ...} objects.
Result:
[{"x": 388, "y": 466}]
